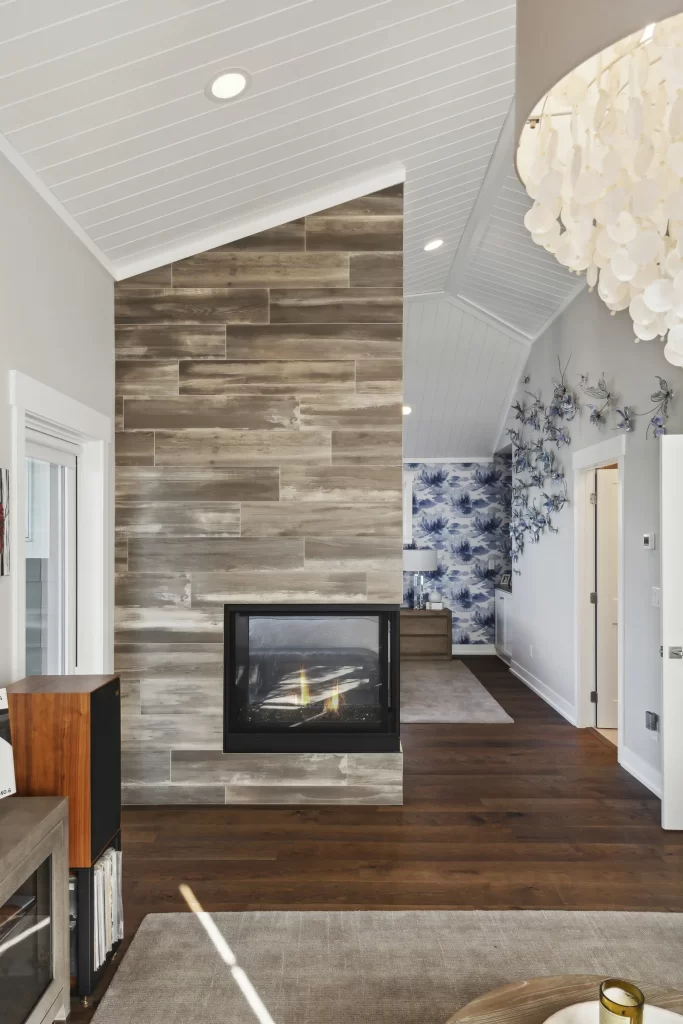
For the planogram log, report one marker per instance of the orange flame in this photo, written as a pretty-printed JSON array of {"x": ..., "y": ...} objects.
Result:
[
  {"x": 304, "y": 690},
  {"x": 332, "y": 702}
]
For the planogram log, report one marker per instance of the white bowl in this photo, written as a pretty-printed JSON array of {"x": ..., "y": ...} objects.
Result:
[{"x": 589, "y": 1013}]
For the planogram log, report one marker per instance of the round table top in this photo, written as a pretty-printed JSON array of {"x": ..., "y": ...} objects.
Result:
[{"x": 534, "y": 1000}]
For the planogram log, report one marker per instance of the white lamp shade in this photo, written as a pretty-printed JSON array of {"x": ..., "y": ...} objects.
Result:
[{"x": 419, "y": 560}]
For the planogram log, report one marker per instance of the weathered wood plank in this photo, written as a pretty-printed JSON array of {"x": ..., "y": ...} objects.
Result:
[
  {"x": 340, "y": 233},
  {"x": 145, "y": 766},
  {"x": 336, "y": 554},
  {"x": 265, "y": 377},
  {"x": 303, "y": 795},
  {"x": 315, "y": 341},
  {"x": 159, "y": 277},
  {"x": 170, "y": 624},
  {"x": 147, "y": 378},
  {"x": 247, "y": 412},
  {"x": 386, "y": 585},
  {"x": 379, "y": 377},
  {"x": 358, "y": 412},
  {"x": 367, "y": 447},
  {"x": 241, "y": 447},
  {"x": 172, "y": 732},
  {"x": 376, "y": 270},
  {"x": 282, "y": 238},
  {"x": 182, "y": 696},
  {"x": 207, "y": 554},
  {"x": 333, "y": 518},
  {"x": 336, "y": 305},
  {"x": 169, "y": 661},
  {"x": 136, "y": 484},
  {"x": 172, "y": 796},
  {"x": 193, "y": 306},
  {"x": 180, "y": 518},
  {"x": 152, "y": 590},
  {"x": 220, "y": 268},
  {"x": 387, "y": 202},
  {"x": 118, "y": 413},
  {"x": 134, "y": 448},
  {"x": 120, "y": 552},
  {"x": 341, "y": 483},
  {"x": 207, "y": 766},
  {"x": 170, "y": 341},
  {"x": 226, "y": 587}
]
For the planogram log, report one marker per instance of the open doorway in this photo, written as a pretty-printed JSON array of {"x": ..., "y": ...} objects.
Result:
[
  {"x": 599, "y": 550},
  {"x": 605, "y": 595}
]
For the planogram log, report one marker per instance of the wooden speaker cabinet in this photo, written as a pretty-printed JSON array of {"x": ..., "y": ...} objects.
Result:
[
  {"x": 426, "y": 634},
  {"x": 66, "y": 739}
]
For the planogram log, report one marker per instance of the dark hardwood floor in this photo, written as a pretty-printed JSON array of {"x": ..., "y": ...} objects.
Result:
[{"x": 527, "y": 816}]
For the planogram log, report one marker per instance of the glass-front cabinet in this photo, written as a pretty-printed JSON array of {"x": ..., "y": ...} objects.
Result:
[{"x": 26, "y": 943}]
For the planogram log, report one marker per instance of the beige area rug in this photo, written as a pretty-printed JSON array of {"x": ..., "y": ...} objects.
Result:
[
  {"x": 374, "y": 967},
  {"x": 446, "y": 691}
]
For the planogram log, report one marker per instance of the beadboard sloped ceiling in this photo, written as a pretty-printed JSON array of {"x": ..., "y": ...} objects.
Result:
[{"x": 103, "y": 109}]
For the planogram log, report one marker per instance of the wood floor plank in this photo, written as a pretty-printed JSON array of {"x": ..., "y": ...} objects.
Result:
[
  {"x": 336, "y": 305},
  {"x": 170, "y": 341},
  {"x": 257, "y": 377},
  {"x": 193, "y": 306},
  {"x": 220, "y": 268},
  {"x": 140, "y": 484},
  {"x": 226, "y": 447},
  {"x": 314, "y": 341},
  {"x": 244, "y": 412}
]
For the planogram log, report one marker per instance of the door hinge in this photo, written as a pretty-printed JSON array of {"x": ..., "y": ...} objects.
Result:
[
  {"x": 594, "y": 696},
  {"x": 594, "y": 498},
  {"x": 594, "y": 597}
]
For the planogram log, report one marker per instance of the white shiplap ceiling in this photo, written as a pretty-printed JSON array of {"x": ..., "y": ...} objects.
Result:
[
  {"x": 104, "y": 102},
  {"x": 460, "y": 394},
  {"x": 102, "y": 107}
]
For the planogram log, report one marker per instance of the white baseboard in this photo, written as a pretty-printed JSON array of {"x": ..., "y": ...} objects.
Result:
[
  {"x": 464, "y": 649},
  {"x": 640, "y": 769},
  {"x": 562, "y": 706},
  {"x": 502, "y": 655}
]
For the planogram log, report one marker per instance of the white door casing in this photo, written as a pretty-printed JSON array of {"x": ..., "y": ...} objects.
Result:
[
  {"x": 607, "y": 589},
  {"x": 672, "y": 629}
]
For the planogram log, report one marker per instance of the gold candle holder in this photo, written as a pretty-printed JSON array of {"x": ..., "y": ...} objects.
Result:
[{"x": 619, "y": 1000}]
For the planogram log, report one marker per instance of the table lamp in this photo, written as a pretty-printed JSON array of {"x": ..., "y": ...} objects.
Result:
[{"x": 419, "y": 561}]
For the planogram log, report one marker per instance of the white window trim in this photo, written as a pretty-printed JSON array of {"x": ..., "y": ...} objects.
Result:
[{"x": 38, "y": 407}]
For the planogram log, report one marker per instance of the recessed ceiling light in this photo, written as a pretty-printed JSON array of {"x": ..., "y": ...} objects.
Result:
[
  {"x": 228, "y": 85},
  {"x": 407, "y": 410},
  {"x": 434, "y": 244},
  {"x": 647, "y": 33}
]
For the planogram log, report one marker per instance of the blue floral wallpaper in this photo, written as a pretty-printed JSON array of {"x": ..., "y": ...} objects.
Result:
[{"x": 463, "y": 511}]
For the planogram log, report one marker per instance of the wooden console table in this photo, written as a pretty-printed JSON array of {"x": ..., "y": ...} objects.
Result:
[{"x": 426, "y": 634}]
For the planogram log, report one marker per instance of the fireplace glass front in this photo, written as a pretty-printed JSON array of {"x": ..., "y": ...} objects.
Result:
[{"x": 319, "y": 672}]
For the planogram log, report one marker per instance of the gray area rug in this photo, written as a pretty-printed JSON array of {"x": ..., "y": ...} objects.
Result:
[
  {"x": 374, "y": 967},
  {"x": 446, "y": 691}
]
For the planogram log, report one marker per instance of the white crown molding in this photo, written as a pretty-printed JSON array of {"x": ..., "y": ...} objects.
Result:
[
  {"x": 303, "y": 206},
  {"x": 39, "y": 186},
  {"x": 478, "y": 221}
]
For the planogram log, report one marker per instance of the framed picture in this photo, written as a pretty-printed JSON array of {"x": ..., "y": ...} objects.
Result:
[
  {"x": 7, "y": 783},
  {"x": 4, "y": 522},
  {"x": 505, "y": 579}
]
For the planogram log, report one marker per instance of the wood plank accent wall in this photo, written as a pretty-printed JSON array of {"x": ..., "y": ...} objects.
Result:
[{"x": 258, "y": 452}]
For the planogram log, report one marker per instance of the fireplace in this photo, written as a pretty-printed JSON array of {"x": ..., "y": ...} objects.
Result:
[{"x": 311, "y": 678}]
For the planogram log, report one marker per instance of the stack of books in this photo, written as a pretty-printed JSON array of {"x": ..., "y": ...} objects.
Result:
[{"x": 107, "y": 905}]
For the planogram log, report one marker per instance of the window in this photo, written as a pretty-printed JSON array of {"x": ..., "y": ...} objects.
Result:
[{"x": 50, "y": 552}]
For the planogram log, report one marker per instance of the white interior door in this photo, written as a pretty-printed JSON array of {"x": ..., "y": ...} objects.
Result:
[
  {"x": 607, "y": 588},
  {"x": 672, "y": 629}
]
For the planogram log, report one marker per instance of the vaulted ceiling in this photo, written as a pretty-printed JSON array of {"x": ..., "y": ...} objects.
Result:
[{"x": 102, "y": 107}]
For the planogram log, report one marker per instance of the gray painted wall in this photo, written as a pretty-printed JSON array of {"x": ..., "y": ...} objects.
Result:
[
  {"x": 544, "y": 592},
  {"x": 56, "y": 323}
]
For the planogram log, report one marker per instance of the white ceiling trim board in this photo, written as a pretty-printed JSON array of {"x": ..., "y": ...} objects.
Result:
[
  {"x": 37, "y": 183},
  {"x": 489, "y": 318},
  {"x": 496, "y": 173},
  {"x": 303, "y": 207}
]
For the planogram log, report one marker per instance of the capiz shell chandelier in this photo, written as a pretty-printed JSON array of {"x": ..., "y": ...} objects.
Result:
[{"x": 601, "y": 155}]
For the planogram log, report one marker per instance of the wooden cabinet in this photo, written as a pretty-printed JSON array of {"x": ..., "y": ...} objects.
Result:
[
  {"x": 66, "y": 737},
  {"x": 503, "y": 602},
  {"x": 426, "y": 634}
]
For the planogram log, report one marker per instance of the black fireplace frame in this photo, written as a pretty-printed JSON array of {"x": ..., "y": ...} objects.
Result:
[{"x": 289, "y": 741}]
